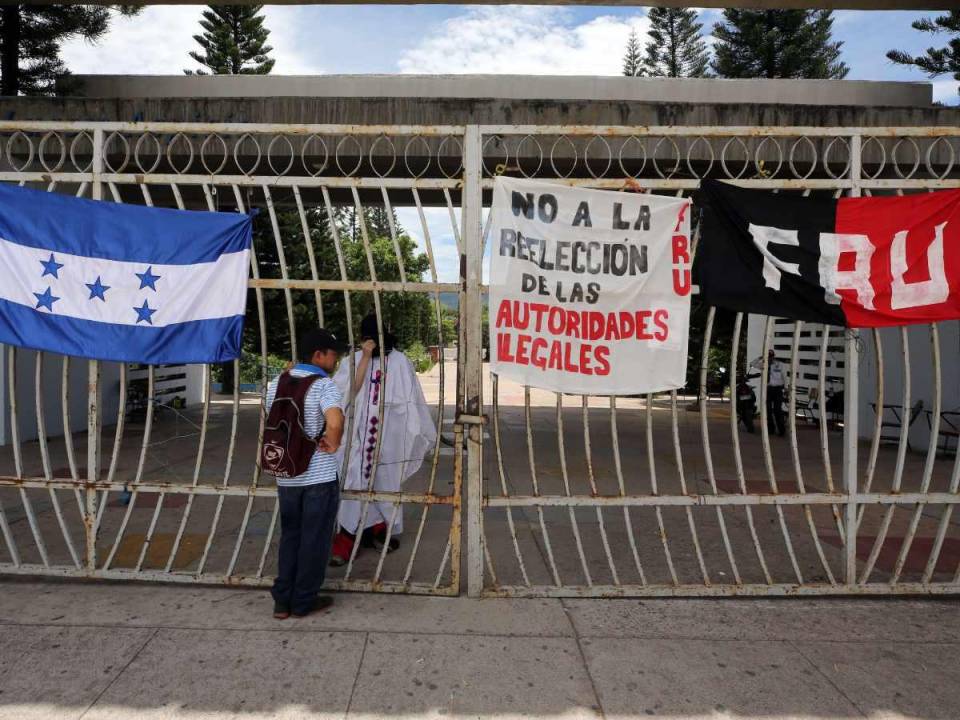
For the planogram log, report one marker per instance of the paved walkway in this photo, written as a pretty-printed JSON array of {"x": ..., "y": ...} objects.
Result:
[{"x": 139, "y": 651}]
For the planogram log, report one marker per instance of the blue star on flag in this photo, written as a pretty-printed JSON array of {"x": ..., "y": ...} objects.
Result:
[
  {"x": 46, "y": 299},
  {"x": 144, "y": 312},
  {"x": 50, "y": 267},
  {"x": 148, "y": 279},
  {"x": 97, "y": 289}
]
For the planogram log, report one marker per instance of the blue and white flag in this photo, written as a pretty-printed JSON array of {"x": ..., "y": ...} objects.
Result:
[{"x": 119, "y": 282}]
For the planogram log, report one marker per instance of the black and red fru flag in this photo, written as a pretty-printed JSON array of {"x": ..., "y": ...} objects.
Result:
[{"x": 857, "y": 262}]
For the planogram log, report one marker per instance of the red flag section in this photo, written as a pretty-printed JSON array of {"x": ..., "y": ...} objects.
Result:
[{"x": 897, "y": 259}]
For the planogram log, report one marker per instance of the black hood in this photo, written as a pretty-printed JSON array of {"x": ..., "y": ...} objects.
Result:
[{"x": 368, "y": 331}]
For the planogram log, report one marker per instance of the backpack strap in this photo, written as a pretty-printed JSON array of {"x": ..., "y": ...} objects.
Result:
[{"x": 291, "y": 387}]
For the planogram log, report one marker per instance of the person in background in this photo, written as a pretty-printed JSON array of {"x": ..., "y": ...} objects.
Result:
[
  {"x": 405, "y": 434},
  {"x": 776, "y": 381},
  {"x": 309, "y": 501}
]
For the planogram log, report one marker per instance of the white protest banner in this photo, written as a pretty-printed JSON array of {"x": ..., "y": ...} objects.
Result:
[{"x": 589, "y": 289}]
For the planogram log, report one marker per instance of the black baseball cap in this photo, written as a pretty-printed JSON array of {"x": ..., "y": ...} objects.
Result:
[{"x": 320, "y": 339}]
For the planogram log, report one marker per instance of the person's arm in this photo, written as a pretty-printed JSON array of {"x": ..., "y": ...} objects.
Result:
[
  {"x": 333, "y": 430},
  {"x": 331, "y": 405},
  {"x": 367, "y": 352}
]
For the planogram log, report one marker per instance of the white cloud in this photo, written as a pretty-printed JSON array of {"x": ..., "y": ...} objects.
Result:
[
  {"x": 158, "y": 42},
  {"x": 536, "y": 40},
  {"x": 946, "y": 91},
  {"x": 154, "y": 42},
  {"x": 442, "y": 239},
  {"x": 293, "y": 38}
]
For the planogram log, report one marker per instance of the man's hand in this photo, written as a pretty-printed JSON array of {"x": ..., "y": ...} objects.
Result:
[
  {"x": 368, "y": 347},
  {"x": 327, "y": 446}
]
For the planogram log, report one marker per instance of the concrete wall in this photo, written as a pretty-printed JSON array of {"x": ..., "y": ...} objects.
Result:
[
  {"x": 193, "y": 392},
  {"x": 515, "y": 87},
  {"x": 921, "y": 374},
  {"x": 438, "y": 110},
  {"x": 51, "y": 384}
]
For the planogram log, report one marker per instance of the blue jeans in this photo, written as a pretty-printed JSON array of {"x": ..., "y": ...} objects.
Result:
[{"x": 307, "y": 518}]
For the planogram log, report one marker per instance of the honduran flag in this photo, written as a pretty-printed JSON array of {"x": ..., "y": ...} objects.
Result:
[
  {"x": 858, "y": 262},
  {"x": 119, "y": 282}
]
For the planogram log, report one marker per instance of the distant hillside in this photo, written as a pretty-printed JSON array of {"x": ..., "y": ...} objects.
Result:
[{"x": 450, "y": 300}]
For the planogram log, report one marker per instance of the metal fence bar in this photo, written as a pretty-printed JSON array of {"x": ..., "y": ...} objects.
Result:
[
  {"x": 503, "y": 480},
  {"x": 655, "y": 489},
  {"x": 851, "y": 399},
  {"x": 435, "y": 455},
  {"x": 18, "y": 457},
  {"x": 823, "y": 424},
  {"x": 767, "y": 456},
  {"x": 618, "y": 467},
  {"x": 311, "y": 256},
  {"x": 705, "y": 437},
  {"x": 45, "y": 458},
  {"x": 795, "y": 451},
  {"x": 902, "y": 445},
  {"x": 593, "y": 489},
  {"x": 877, "y": 421},
  {"x": 931, "y": 454},
  {"x": 370, "y": 471},
  {"x": 472, "y": 403}
]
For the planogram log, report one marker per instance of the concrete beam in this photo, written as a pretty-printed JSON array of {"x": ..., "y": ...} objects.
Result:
[{"x": 829, "y": 93}]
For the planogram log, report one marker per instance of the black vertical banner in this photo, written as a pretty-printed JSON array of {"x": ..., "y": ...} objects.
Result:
[{"x": 733, "y": 271}]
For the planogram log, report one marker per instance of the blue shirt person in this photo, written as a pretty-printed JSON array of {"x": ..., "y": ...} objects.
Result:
[{"x": 309, "y": 501}]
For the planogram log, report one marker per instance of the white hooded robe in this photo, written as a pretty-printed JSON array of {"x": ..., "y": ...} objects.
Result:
[{"x": 407, "y": 433}]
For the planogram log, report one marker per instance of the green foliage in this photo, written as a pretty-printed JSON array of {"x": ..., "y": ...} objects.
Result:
[
  {"x": 719, "y": 353},
  {"x": 937, "y": 61},
  {"x": 31, "y": 37},
  {"x": 234, "y": 41},
  {"x": 632, "y": 66},
  {"x": 252, "y": 370},
  {"x": 675, "y": 48},
  {"x": 418, "y": 355},
  {"x": 411, "y": 316},
  {"x": 777, "y": 44},
  {"x": 450, "y": 320}
]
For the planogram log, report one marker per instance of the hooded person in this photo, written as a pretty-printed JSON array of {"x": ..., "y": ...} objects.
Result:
[{"x": 406, "y": 433}]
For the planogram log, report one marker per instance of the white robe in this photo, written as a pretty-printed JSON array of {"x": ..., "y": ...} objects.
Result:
[{"x": 407, "y": 433}]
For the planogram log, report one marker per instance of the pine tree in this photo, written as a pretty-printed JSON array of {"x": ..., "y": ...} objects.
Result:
[
  {"x": 631, "y": 58},
  {"x": 675, "y": 48},
  {"x": 233, "y": 42},
  {"x": 777, "y": 44},
  {"x": 30, "y": 40},
  {"x": 937, "y": 61}
]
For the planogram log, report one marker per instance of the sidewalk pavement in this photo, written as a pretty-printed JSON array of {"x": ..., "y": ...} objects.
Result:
[{"x": 95, "y": 651}]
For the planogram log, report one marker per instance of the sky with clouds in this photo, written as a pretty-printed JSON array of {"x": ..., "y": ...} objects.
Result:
[
  {"x": 564, "y": 40},
  {"x": 540, "y": 40}
]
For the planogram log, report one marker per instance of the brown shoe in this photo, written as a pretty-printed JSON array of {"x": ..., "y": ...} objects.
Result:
[{"x": 320, "y": 603}]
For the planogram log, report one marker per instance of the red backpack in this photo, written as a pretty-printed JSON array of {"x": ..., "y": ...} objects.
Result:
[{"x": 287, "y": 449}]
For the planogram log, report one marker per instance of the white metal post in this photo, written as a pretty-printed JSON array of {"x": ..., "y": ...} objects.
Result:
[
  {"x": 851, "y": 402},
  {"x": 472, "y": 407},
  {"x": 94, "y": 419}
]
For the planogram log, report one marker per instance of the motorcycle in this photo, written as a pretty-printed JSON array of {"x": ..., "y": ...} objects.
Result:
[{"x": 746, "y": 404}]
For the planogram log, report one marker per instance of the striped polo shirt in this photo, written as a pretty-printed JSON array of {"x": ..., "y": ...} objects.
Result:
[{"x": 321, "y": 396}]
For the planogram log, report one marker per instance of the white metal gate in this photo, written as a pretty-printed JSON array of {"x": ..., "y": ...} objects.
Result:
[
  {"x": 171, "y": 493},
  {"x": 561, "y": 495}
]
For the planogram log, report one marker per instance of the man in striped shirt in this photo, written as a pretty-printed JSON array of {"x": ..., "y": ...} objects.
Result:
[{"x": 309, "y": 502}]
